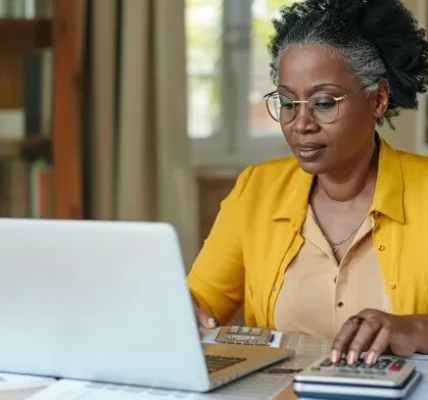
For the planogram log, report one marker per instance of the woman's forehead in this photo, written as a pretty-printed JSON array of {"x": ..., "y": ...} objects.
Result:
[{"x": 310, "y": 67}]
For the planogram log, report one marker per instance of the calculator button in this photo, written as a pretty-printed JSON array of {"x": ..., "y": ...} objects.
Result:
[
  {"x": 397, "y": 366},
  {"x": 379, "y": 372},
  {"x": 316, "y": 369},
  {"x": 256, "y": 331},
  {"x": 234, "y": 329},
  {"x": 356, "y": 365},
  {"x": 326, "y": 363},
  {"x": 244, "y": 329}
]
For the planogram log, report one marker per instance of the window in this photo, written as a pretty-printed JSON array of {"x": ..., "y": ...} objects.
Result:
[{"x": 228, "y": 75}]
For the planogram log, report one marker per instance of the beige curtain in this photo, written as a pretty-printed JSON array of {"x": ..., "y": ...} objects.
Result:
[{"x": 141, "y": 167}]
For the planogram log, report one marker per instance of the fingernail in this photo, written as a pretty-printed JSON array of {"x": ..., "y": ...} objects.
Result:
[
  {"x": 334, "y": 357},
  {"x": 212, "y": 322},
  {"x": 352, "y": 357},
  {"x": 371, "y": 358}
]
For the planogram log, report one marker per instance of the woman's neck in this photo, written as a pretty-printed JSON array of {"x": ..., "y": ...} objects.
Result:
[{"x": 348, "y": 184}]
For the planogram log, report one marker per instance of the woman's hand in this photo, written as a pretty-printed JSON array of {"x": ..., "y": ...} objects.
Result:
[
  {"x": 375, "y": 331},
  {"x": 204, "y": 320}
]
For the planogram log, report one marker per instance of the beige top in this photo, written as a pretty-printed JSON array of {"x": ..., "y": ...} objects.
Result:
[{"x": 318, "y": 295}]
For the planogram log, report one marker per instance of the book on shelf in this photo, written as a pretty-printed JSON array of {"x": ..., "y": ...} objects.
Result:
[
  {"x": 37, "y": 96},
  {"x": 25, "y": 188},
  {"x": 25, "y": 9}
]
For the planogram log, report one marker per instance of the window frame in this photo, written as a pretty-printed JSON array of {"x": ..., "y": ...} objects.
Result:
[{"x": 232, "y": 144}]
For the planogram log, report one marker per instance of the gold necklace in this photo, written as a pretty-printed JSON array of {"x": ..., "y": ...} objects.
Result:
[{"x": 335, "y": 245}]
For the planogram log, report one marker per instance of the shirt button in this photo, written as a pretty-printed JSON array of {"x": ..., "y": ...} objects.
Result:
[
  {"x": 392, "y": 286},
  {"x": 381, "y": 248},
  {"x": 335, "y": 280},
  {"x": 274, "y": 288},
  {"x": 340, "y": 304}
]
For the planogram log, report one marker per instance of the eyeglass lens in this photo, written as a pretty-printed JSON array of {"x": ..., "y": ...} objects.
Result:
[{"x": 323, "y": 108}]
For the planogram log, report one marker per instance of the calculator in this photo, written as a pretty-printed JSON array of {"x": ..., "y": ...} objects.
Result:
[
  {"x": 244, "y": 335},
  {"x": 390, "y": 378}
]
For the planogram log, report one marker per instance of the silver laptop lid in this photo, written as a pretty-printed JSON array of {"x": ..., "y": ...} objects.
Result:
[{"x": 103, "y": 301}]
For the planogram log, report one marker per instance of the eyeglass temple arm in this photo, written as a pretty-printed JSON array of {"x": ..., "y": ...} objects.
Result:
[{"x": 266, "y": 96}]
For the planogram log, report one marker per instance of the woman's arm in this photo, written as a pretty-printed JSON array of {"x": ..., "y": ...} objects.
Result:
[{"x": 217, "y": 278}]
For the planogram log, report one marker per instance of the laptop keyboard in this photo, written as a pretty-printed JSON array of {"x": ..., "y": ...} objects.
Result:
[{"x": 217, "y": 363}]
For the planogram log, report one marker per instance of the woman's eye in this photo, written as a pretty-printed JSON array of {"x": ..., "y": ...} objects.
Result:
[
  {"x": 325, "y": 103},
  {"x": 286, "y": 103}
]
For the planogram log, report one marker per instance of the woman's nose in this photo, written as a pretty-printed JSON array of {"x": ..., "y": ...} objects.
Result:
[{"x": 304, "y": 121}]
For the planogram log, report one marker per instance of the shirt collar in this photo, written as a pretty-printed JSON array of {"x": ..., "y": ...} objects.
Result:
[{"x": 388, "y": 197}]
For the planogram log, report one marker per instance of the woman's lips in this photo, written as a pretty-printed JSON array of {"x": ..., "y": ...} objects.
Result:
[{"x": 310, "y": 151}]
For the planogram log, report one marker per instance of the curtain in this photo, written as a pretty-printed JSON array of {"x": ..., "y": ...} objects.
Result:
[{"x": 140, "y": 167}]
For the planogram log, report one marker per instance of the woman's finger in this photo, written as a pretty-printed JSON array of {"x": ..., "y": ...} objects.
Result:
[
  {"x": 344, "y": 338},
  {"x": 204, "y": 320},
  {"x": 379, "y": 345},
  {"x": 363, "y": 339}
]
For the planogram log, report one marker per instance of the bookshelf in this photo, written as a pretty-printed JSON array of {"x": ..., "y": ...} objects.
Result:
[{"x": 51, "y": 153}]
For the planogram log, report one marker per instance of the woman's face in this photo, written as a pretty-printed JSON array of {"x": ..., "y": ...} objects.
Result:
[{"x": 323, "y": 148}]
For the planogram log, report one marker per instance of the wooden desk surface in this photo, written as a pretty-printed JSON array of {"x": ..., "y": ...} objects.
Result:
[{"x": 287, "y": 394}]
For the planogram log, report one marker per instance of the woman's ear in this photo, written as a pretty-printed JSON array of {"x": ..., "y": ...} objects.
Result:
[{"x": 381, "y": 100}]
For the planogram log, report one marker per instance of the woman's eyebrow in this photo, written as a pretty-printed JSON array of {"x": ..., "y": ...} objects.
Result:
[
  {"x": 324, "y": 85},
  {"x": 280, "y": 86},
  {"x": 314, "y": 87}
]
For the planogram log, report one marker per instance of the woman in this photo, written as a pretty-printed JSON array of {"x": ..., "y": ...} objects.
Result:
[{"x": 331, "y": 242}]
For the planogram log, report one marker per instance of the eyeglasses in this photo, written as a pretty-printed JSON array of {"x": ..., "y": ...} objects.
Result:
[{"x": 324, "y": 108}]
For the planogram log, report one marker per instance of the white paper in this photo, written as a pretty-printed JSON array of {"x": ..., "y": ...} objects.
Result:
[
  {"x": 16, "y": 381},
  {"x": 77, "y": 390}
]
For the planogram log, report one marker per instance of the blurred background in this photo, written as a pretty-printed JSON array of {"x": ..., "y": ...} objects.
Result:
[{"x": 141, "y": 109}]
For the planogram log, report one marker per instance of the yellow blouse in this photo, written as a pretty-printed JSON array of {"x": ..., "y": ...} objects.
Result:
[{"x": 257, "y": 234}]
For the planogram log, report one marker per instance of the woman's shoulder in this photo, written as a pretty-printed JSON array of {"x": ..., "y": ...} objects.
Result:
[
  {"x": 413, "y": 160},
  {"x": 414, "y": 168},
  {"x": 268, "y": 182},
  {"x": 269, "y": 172}
]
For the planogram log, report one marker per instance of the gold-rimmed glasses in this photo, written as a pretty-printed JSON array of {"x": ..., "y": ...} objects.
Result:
[{"x": 323, "y": 107}]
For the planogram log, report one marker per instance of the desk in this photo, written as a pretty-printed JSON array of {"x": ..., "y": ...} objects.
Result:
[
  {"x": 287, "y": 394},
  {"x": 307, "y": 349}
]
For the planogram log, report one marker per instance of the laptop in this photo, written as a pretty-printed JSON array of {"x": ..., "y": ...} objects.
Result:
[{"x": 107, "y": 302}]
